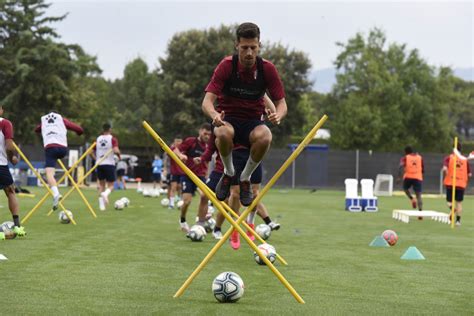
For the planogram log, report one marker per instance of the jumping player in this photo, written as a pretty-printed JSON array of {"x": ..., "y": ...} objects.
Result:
[
  {"x": 54, "y": 128},
  {"x": 238, "y": 85}
]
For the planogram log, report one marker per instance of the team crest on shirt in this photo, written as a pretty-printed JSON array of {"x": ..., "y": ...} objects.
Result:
[
  {"x": 51, "y": 119},
  {"x": 103, "y": 143}
]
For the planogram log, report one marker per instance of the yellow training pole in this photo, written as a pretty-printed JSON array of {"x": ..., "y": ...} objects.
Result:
[
  {"x": 453, "y": 195},
  {"x": 43, "y": 199},
  {"x": 84, "y": 177},
  {"x": 41, "y": 179},
  {"x": 272, "y": 181},
  {"x": 77, "y": 188},
  {"x": 217, "y": 203},
  {"x": 234, "y": 214}
]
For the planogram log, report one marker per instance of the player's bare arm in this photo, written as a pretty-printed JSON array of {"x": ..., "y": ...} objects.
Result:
[
  {"x": 11, "y": 152},
  {"x": 281, "y": 110},
  {"x": 209, "y": 109}
]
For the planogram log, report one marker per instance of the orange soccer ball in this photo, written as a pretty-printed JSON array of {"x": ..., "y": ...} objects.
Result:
[{"x": 390, "y": 236}]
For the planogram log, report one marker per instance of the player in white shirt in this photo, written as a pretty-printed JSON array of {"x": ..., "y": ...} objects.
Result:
[
  {"x": 54, "y": 129},
  {"x": 106, "y": 169}
]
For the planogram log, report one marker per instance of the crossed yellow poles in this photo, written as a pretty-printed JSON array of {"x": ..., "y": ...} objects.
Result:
[
  {"x": 67, "y": 173},
  {"x": 221, "y": 206}
]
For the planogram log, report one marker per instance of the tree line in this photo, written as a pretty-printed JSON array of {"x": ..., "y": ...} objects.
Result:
[{"x": 386, "y": 96}]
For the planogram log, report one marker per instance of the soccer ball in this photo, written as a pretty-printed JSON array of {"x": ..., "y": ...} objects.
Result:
[
  {"x": 180, "y": 203},
  {"x": 228, "y": 287},
  {"x": 210, "y": 224},
  {"x": 197, "y": 233},
  {"x": 390, "y": 236},
  {"x": 7, "y": 229},
  {"x": 125, "y": 201},
  {"x": 264, "y": 231},
  {"x": 268, "y": 251},
  {"x": 63, "y": 219},
  {"x": 147, "y": 193},
  {"x": 119, "y": 205},
  {"x": 165, "y": 202}
]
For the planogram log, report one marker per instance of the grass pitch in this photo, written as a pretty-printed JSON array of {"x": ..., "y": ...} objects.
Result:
[{"x": 133, "y": 261}]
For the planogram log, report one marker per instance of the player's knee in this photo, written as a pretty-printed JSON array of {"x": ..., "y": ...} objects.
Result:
[{"x": 224, "y": 133}]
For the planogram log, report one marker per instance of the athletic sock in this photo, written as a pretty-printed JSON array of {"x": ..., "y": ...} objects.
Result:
[
  {"x": 458, "y": 218},
  {"x": 16, "y": 220},
  {"x": 172, "y": 201},
  {"x": 183, "y": 220},
  {"x": 107, "y": 192},
  {"x": 228, "y": 165},
  {"x": 217, "y": 229},
  {"x": 250, "y": 167},
  {"x": 251, "y": 217},
  {"x": 267, "y": 220},
  {"x": 55, "y": 190}
]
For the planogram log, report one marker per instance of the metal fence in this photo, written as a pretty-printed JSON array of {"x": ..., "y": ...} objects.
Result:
[{"x": 316, "y": 167}]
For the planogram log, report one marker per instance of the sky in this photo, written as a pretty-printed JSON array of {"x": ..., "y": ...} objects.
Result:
[{"x": 119, "y": 31}]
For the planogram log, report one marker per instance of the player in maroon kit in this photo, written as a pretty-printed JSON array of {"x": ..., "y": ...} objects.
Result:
[
  {"x": 190, "y": 148},
  {"x": 238, "y": 85}
]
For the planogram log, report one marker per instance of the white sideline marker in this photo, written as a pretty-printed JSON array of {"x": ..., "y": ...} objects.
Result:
[
  {"x": 2, "y": 257},
  {"x": 404, "y": 215}
]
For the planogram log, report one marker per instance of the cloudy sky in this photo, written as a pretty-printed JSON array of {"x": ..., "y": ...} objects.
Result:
[{"x": 119, "y": 31}]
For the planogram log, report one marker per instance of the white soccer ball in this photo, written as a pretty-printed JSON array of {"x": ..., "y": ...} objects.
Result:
[
  {"x": 210, "y": 224},
  {"x": 139, "y": 190},
  {"x": 119, "y": 205},
  {"x": 7, "y": 229},
  {"x": 264, "y": 231},
  {"x": 146, "y": 193},
  {"x": 197, "y": 233},
  {"x": 165, "y": 202},
  {"x": 63, "y": 219},
  {"x": 180, "y": 203},
  {"x": 125, "y": 201},
  {"x": 228, "y": 287},
  {"x": 268, "y": 251}
]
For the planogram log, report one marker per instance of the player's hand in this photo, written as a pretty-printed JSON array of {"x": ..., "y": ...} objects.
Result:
[
  {"x": 14, "y": 160},
  {"x": 197, "y": 160},
  {"x": 218, "y": 120},
  {"x": 274, "y": 117},
  {"x": 183, "y": 158}
]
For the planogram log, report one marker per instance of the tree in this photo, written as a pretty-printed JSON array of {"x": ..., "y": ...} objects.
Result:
[
  {"x": 402, "y": 98},
  {"x": 37, "y": 73}
]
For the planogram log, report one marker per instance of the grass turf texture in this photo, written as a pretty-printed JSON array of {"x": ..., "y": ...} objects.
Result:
[{"x": 133, "y": 261}]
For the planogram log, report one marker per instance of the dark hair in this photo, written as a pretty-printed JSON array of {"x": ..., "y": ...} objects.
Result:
[
  {"x": 408, "y": 150},
  {"x": 459, "y": 146},
  {"x": 206, "y": 126},
  {"x": 178, "y": 137},
  {"x": 248, "y": 30},
  {"x": 106, "y": 127}
]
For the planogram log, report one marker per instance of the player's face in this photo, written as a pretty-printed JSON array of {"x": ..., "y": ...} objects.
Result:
[
  {"x": 248, "y": 49},
  {"x": 177, "y": 141},
  {"x": 204, "y": 135}
]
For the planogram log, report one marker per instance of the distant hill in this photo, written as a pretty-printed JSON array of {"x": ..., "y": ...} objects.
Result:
[{"x": 325, "y": 78}]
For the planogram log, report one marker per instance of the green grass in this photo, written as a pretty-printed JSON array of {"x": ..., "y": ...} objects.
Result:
[{"x": 133, "y": 261}]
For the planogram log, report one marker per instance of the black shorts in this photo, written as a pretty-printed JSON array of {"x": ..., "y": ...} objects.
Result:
[
  {"x": 213, "y": 179},
  {"x": 188, "y": 186},
  {"x": 458, "y": 194},
  {"x": 242, "y": 129},
  {"x": 5, "y": 177},
  {"x": 52, "y": 154},
  {"x": 157, "y": 177},
  {"x": 416, "y": 184},
  {"x": 120, "y": 172},
  {"x": 106, "y": 172},
  {"x": 239, "y": 158},
  {"x": 175, "y": 178}
]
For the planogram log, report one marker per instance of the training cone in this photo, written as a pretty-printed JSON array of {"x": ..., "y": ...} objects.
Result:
[
  {"x": 412, "y": 253},
  {"x": 379, "y": 242}
]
